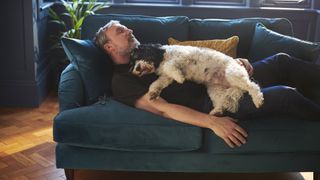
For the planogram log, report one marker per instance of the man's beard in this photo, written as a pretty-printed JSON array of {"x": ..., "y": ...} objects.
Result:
[{"x": 133, "y": 43}]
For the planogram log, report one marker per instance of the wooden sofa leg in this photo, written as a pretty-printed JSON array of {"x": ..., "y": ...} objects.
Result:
[
  {"x": 69, "y": 174},
  {"x": 316, "y": 175}
]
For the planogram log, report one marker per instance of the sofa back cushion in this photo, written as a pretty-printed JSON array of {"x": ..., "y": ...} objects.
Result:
[
  {"x": 203, "y": 29},
  {"x": 147, "y": 29}
]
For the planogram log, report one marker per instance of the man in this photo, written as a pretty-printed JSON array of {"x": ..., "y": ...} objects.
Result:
[{"x": 189, "y": 104}]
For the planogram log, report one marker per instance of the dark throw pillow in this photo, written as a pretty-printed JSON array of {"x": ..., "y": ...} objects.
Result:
[
  {"x": 94, "y": 66},
  {"x": 266, "y": 42}
]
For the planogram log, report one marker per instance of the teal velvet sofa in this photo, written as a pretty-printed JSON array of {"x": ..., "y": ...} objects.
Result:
[{"x": 93, "y": 131}]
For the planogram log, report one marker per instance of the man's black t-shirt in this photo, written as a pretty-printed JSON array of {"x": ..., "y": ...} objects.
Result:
[{"x": 127, "y": 88}]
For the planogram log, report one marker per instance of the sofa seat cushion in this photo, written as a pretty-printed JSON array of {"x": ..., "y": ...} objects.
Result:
[
  {"x": 272, "y": 135},
  {"x": 112, "y": 125},
  {"x": 202, "y": 29},
  {"x": 147, "y": 29}
]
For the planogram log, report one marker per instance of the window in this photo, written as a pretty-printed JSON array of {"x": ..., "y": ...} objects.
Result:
[
  {"x": 220, "y": 2},
  {"x": 308, "y": 4},
  {"x": 154, "y": 1},
  {"x": 285, "y": 3}
]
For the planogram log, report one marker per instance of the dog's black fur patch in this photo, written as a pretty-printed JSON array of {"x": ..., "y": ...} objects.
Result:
[{"x": 148, "y": 52}]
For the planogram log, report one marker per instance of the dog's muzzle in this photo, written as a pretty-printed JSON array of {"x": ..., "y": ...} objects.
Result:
[{"x": 141, "y": 68}]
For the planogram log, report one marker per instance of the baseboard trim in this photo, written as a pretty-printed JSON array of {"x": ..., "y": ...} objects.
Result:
[{"x": 25, "y": 93}]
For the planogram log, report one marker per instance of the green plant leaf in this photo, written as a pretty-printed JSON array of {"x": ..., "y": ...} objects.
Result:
[
  {"x": 74, "y": 5},
  {"x": 91, "y": 4},
  {"x": 79, "y": 23},
  {"x": 57, "y": 22},
  {"x": 53, "y": 14},
  {"x": 66, "y": 14},
  {"x": 100, "y": 6}
]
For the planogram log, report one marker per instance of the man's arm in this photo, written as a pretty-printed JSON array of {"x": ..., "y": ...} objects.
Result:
[{"x": 224, "y": 127}]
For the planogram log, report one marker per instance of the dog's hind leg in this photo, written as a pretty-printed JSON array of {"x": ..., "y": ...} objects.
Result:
[
  {"x": 156, "y": 87},
  {"x": 232, "y": 97},
  {"x": 217, "y": 99},
  {"x": 243, "y": 82}
]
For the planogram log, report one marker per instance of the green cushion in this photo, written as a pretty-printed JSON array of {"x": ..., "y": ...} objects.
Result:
[
  {"x": 267, "y": 42},
  {"x": 147, "y": 29},
  {"x": 93, "y": 65},
  {"x": 203, "y": 29},
  {"x": 112, "y": 125}
]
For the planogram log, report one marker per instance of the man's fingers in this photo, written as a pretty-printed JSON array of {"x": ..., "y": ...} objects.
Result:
[
  {"x": 228, "y": 141},
  {"x": 242, "y": 131},
  {"x": 239, "y": 137},
  {"x": 235, "y": 140},
  {"x": 250, "y": 70}
]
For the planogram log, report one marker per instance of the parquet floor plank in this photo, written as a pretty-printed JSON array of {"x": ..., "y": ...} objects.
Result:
[
  {"x": 41, "y": 160},
  {"x": 20, "y": 178}
]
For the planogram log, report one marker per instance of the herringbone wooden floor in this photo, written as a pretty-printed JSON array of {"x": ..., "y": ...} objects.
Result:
[
  {"x": 26, "y": 145},
  {"x": 27, "y": 152}
]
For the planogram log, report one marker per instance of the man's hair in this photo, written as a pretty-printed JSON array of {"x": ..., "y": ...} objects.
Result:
[{"x": 100, "y": 38}]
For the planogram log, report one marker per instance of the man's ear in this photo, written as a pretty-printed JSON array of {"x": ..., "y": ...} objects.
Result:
[{"x": 107, "y": 47}]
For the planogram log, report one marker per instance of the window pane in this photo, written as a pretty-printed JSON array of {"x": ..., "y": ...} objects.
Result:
[
  {"x": 287, "y": 3},
  {"x": 153, "y": 1},
  {"x": 220, "y": 2}
]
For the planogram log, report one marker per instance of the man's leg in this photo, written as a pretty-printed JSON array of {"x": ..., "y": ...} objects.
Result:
[
  {"x": 282, "y": 69},
  {"x": 278, "y": 100}
]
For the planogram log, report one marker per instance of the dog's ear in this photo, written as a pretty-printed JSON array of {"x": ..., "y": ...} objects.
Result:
[{"x": 134, "y": 55}]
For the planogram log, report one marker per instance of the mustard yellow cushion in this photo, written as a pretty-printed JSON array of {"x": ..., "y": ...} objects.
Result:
[{"x": 226, "y": 46}]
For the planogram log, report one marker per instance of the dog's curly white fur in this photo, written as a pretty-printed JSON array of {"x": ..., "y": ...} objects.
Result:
[{"x": 225, "y": 79}]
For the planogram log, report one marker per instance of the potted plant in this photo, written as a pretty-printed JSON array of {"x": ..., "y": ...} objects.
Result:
[{"x": 69, "y": 23}]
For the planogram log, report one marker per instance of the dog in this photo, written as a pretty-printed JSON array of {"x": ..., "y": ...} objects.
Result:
[{"x": 225, "y": 79}]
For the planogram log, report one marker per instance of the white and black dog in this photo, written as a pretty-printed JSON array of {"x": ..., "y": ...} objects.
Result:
[{"x": 225, "y": 79}]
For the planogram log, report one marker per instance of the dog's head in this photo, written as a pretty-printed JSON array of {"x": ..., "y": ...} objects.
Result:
[{"x": 146, "y": 59}]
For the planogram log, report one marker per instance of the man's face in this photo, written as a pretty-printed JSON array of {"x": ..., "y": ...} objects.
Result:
[{"x": 121, "y": 40}]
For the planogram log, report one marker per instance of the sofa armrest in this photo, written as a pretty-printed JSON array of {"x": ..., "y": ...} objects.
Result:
[{"x": 71, "y": 89}]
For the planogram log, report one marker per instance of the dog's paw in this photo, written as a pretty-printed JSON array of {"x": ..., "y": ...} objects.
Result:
[
  {"x": 153, "y": 95},
  {"x": 180, "y": 79},
  {"x": 258, "y": 101},
  {"x": 216, "y": 112}
]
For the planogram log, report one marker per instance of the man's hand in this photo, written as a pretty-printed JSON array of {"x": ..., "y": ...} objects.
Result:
[
  {"x": 246, "y": 64},
  {"x": 228, "y": 130}
]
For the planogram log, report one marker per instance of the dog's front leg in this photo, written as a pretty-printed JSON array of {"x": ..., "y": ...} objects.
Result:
[
  {"x": 172, "y": 69},
  {"x": 156, "y": 87}
]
